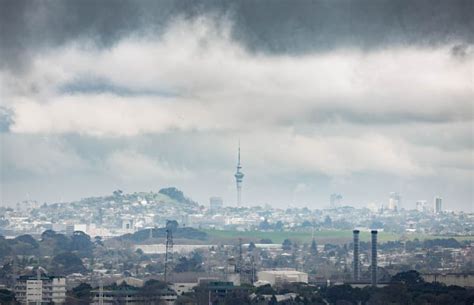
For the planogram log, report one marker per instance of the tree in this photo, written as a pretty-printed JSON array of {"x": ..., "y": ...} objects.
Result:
[
  {"x": 80, "y": 295},
  {"x": 409, "y": 278},
  {"x": 52, "y": 243},
  {"x": 7, "y": 297},
  {"x": 27, "y": 239},
  {"x": 264, "y": 225},
  {"x": 176, "y": 194},
  {"x": 48, "y": 234},
  {"x": 5, "y": 248},
  {"x": 328, "y": 221},
  {"x": 67, "y": 263},
  {"x": 252, "y": 246},
  {"x": 172, "y": 225},
  {"x": 98, "y": 241},
  {"x": 314, "y": 248},
  {"x": 286, "y": 245},
  {"x": 194, "y": 264},
  {"x": 279, "y": 225},
  {"x": 118, "y": 193},
  {"x": 81, "y": 242},
  {"x": 265, "y": 289}
]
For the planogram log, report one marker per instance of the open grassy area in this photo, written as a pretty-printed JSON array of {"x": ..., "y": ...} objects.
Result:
[{"x": 321, "y": 237}]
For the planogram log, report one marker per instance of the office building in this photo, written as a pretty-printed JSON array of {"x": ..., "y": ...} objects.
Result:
[
  {"x": 280, "y": 276},
  {"x": 215, "y": 204},
  {"x": 133, "y": 295},
  {"x": 40, "y": 289}
]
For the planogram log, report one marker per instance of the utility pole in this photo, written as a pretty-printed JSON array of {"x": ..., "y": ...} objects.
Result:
[
  {"x": 101, "y": 292},
  {"x": 253, "y": 270},
  {"x": 240, "y": 262},
  {"x": 39, "y": 282},
  {"x": 14, "y": 270},
  {"x": 169, "y": 252}
]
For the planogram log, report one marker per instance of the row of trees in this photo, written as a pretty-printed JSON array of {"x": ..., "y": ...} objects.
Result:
[{"x": 51, "y": 243}]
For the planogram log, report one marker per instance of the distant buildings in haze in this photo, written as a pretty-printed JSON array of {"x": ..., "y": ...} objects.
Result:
[
  {"x": 215, "y": 203},
  {"x": 394, "y": 201},
  {"x": 335, "y": 200},
  {"x": 438, "y": 205},
  {"x": 421, "y": 206}
]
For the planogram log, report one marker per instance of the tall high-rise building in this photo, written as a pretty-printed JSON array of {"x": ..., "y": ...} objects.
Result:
[
  {"x": 373, "y": 268},
  {"x": 437, "y": 205},
  {"x": 215, "y": 203},
  {"x": 421, "y": 205},
  {"x": 356, "y": 255},
  {"x": 394, "y": 201},
  {"x": 335, "y": 200},
  {"x": 239, "y": 176}
]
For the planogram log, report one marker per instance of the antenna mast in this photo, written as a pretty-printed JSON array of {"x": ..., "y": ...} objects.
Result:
[{"x": 169, "y": 252}]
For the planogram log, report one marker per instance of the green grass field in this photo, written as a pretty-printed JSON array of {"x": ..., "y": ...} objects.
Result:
[{"x": 321, "y": 237}]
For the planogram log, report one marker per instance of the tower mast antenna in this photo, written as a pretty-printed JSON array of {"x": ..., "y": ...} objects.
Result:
[
  {"x": 169, "y": 251},
  {"x": 239, "y": 176}
]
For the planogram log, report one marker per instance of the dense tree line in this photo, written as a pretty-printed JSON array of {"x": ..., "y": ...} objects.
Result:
[
  {"x": 50, "y": 243},
  {"x": 65, "y": 252}
]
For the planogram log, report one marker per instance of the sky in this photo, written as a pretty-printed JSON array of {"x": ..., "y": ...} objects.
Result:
[{"x": 361, "y": 98}]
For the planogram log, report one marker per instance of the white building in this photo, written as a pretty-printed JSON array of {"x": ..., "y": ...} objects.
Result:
[
  {"x": 437, "y": 206},
  {"x": 44, "y": 289},
  {"x": 394, "y": 201},
  {"x": 181, "y": 288},
  {"x": 279, "y": 276}
]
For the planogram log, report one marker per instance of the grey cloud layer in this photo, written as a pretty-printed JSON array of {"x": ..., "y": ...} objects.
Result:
[{"x": 27, "y": 28}]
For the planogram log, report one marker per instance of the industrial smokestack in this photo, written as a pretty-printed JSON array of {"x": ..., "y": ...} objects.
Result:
[
  {"x": 356, "y": 255},
  {"x": 374, "y": 258}
]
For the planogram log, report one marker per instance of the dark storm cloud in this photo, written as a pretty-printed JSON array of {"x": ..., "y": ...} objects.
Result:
[{"x": 274, "y": 26}]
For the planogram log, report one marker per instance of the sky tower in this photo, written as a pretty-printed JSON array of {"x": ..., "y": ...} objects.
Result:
[{"x": 239, "y": 176}]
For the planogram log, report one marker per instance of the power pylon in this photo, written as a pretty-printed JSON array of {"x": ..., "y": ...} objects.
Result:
[{"x": 169, "y": 253}]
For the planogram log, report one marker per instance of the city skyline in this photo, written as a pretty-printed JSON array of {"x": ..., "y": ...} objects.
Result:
[{"x": 208, "y": 152}]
